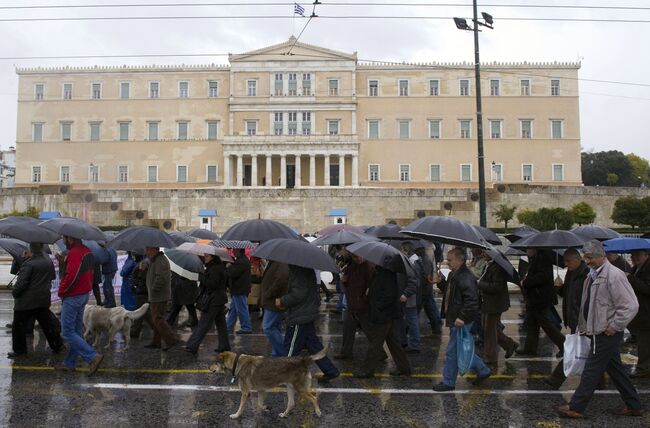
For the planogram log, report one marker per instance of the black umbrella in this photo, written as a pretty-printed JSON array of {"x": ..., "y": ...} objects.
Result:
[
  {"x": 488, "y": 235},
  {"x": 233, "y": 244},
  {"x": 27, "y": 229},
  {"x": 447, "y": 230},
  {"x": 203, "y": 234},
  {"x": 259, "y": 230},
  {"x": 521, "y": 232},
  {"x": 379, "y": 253},
  {"x": 387, "y": 231},
  {"x": 295, "y": 252},
  {"x": 592, "y": 231},
  {"x": 100, "y": 254},
  {"x": 338, "y": 227},
  {"x": 185, "y": 264},
  {"x": 500, "y": 259},
  {"x": 343, "y": 237},
  {"x": 551, "y": 239},
  {"x": 74, "y": 227},
  {"x": 137, "y": 237},
  {"x": 14, "y": 247},
  {"x": 181, "y": 237}
]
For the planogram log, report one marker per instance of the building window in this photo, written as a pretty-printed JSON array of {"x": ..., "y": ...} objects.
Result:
[
  {"x": 66, "y": 131},
  {"x": 333, "y": 87},
  {"x": 293, "y": 85},
  {"x": 403, "y": 88},
  {"x": 434, "y": 87},
  {"x": 525, "y": 87},
  {"x": 556, "y": 129},
  {"x": 333, "y": 127},
  {"x": 558, "y": 172},
  {"x": 306, "y": 123},
  {"x": 278, "y": 123},
  {"x": 497, "y": 172},
  {"x": 434, "y": 172},
  {"x": 213, "y": 130},
  {"x": 37, "y": 132},
  {"x": 181, "y": 173},
  {"x": 213, "y": 89},
  {"x": 124, "y": 130},
  {"x": 67, "y": 91},
  {"x": 278, "y": 84},
  {"x": 373, "y": 129},
  {"x": 306, "y": 84},
  {"x": 373, "y": 172},
  {"x": 96, "y": 91},
  {"x": 65, "y": 174},
  {"x": 152, "y": 131},
  {"x": 251, "y": 86},
  {"x": 123, "y": 174},
  {"x": 152, "y": 173},
  {"x": 39, "y": 90},
  {"x": 404, "y": 128},
  {"x": 251, "y": 127},
  {"x": 555, "y": 88},
  {"x": 36, "y": 174},
  {"x": 526, "y": 129},
  {"x": 465, "y": 172},
  {"x": 292, "y": 126},
  {"x": 125, "y": 90},
  {"x": 93, "y": 173},
  {"x": 95, "y": 131},
  {"x": 154, "y": 89},
  {"x": 495, "y": 128},
  {"x": 183, "y": 130},
  {"x": 434, "y": 128},
  {"x": 211, "y": 173},
  {"x": 404, "y": 172},
  {"x": 527, "y": 172},
  {"x": 183, "y": 89},
  {"x": 464, "y": 87},
  {"x": 494, "y": 87},
  {"x": 373, "y": 88},
  {"x": 465, "y": 129}
]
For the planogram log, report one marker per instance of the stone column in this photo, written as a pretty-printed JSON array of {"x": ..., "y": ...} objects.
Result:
[
  {"x": 269, "y": 170},
  {"x": 226, "y": 171},
  {"x": 312, "y": 170},
  {"x": 341, "y": 170},
  {"x": 253, "y": 170},
  {"x": 240, "y": 170},
  {"x": 297, "y": 162},
  {"x": 283, "y": 171},
  {"x": 355, "y": 171},
  {"x": 327, "y": 170}
]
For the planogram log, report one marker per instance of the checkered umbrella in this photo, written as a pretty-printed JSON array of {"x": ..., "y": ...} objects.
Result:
[{"x": 224, "y": 243}]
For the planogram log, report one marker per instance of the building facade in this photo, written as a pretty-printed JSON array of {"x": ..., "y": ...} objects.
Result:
[
  {"x": 295, "y": 115},
  {"x": 7, "y": 167}
]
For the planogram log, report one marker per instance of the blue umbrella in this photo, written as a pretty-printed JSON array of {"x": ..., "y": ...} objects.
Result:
[{"x": 626, "y": 245}]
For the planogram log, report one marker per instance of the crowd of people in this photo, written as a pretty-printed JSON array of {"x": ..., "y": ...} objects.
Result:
[{"x": 599, "y": 300}]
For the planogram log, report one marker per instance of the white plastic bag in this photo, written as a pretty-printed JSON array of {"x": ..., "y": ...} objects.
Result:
[{"x": 576, "y": 351}]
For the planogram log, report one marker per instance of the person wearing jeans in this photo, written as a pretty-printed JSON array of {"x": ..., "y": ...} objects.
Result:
[
  {"x": 72, "y": 326},
  {"x": 240, "y": 288},
  {"x": 274, "y": 285},
  {"x": 408, "y": 326}
]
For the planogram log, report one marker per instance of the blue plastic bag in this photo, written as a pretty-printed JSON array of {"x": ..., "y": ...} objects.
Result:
[{"x": 464, "y": 349}]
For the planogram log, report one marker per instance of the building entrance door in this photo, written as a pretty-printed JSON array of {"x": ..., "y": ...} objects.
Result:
[
  {"x": 248, "y": 175},
  {"x": 334, "y": 175},
  {"x": 291, "y": 176}
]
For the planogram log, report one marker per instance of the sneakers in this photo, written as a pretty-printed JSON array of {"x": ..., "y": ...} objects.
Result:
[
  {"x": 94, "y": 364},
  {"x": 443, "y": 387}
]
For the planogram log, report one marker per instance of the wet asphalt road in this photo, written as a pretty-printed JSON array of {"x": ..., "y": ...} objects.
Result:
[{"x": 149, "y": 388}]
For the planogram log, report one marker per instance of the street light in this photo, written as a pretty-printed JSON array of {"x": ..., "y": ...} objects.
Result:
[{"x": 461, "y": 24}]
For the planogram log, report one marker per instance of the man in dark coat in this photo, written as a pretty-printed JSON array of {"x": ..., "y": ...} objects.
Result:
[
  {"x": 460, "y": 306},
  {"x": 240, "y": 287},
  {"x": 495, "y": 300},
  {"x": 109, "y": 269},
  {"x": 428, "y": 298},
  {"x": 159, "y": 290},
  {"x": 616, "y": 260},
  {"x": 539, "y": 295},
  {"x": 383, "y": 311},
  {"x": 184, "y": 293},
  {"x": 274, "y": 285},
  {"x": 32, "y": 300},
  {"x": 639, "y": 278},
  {"x": 302, "y": 302}
]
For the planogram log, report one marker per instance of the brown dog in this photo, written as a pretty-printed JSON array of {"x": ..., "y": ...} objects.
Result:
[{"x": 264, "y": 373}]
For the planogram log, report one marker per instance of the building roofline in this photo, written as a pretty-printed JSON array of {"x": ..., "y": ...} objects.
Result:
[
  {"x": 122, "y": 68},
  {"x": 486, "y": 65},
  {"x": 293, "y": 42}
]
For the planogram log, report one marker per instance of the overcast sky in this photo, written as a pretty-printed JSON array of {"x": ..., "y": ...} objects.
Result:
[{"x": 612, "y": 116}]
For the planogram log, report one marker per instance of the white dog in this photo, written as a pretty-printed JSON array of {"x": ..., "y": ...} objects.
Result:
[{"x": 112, "y": 320}]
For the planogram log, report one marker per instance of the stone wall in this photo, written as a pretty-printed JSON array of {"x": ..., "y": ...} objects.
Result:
[{"x": 304, "y": 209}]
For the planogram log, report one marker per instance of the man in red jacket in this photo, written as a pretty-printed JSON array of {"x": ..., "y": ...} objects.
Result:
[{"x": 76, "y": 272}]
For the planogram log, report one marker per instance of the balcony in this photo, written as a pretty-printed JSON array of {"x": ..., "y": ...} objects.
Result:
[{"x": 291, "y": 143}]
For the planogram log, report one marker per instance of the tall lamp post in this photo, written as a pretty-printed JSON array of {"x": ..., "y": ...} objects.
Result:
[{"x": 461, "y": 24}]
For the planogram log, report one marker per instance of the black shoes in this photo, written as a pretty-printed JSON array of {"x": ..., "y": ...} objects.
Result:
[
  {"x": 243, "y": 332},
  {"x": 512, "y": 350},
  {"x": 525, "y": 353},
  {"x": 368, "y": 375},
  {"x": 443, "y": 387},
  {"x": 480, "y": 378},
  {"x": 325, "y": 379},
  {"x": 13, "y": 355}
]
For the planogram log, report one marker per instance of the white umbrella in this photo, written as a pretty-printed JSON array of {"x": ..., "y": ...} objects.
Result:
[{"x": 201, "y": 249}]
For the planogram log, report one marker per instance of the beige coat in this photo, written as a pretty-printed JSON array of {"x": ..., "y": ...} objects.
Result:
[
  {"x": 159, "y": 278},
  {"x": 613, "y": 302}
]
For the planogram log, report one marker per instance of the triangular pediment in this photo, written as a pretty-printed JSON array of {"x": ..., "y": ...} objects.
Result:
[{"x": 293, "y": 50}]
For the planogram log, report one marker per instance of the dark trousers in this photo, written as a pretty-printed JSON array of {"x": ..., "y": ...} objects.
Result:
[
  {"x": 176, "y": 309},
  {"x": 432, "y": 312},
  {"x": 377, "y": 335},
  {"x": 643, "y": 349},
  {"x": 161, "y": 329},
  {"x": 136, "y": 327},
  {"x": 493, "y": 338},
  {"x": 539, "y": 317},
  {"x": 604, "y": 356},
  {"x": 303, "y": 336},
  {"x": 215, "y": 315},
  {"x": 46, "y": 319},
  {"x": 97, "y": 293},
  {"x": 109, "y": 292},
  {"x": 352, "y": 320}
]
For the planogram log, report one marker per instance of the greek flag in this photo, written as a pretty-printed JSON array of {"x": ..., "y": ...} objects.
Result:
[{"x": 298, "y": 9}]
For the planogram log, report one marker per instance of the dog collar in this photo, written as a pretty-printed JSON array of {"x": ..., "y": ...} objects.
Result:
[{"x": 234, "y": 369}]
